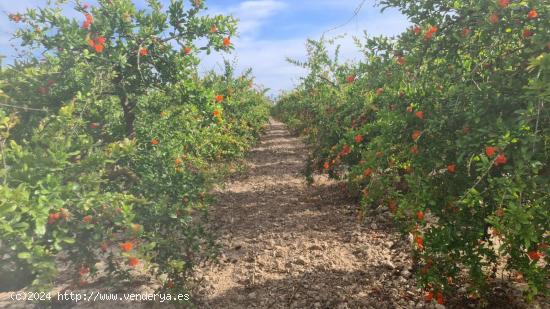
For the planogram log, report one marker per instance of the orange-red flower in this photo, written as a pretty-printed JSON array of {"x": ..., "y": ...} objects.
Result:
[
  {"x": 439, "y": 298},
  {"x": 419, "y": 115},
  {"x": 94, "y": 125},
  {"x": 178, "y": 161},
  {"x": 83, "y": 270},
  {"x": 419, "y": 242},
  {"x": 414, "y": 150},
  {"x": 216, "y": 113},
  {"x": 15, "y": 17},
  {"x": 527, "y": 33},
  {"x": 534, "y": 255},
  {"x": 132, "y": 261},
  {"x": 532, "y": 14},
  {"x": 87, "y": 219},
  {"x": 490, "y": 151},
  {"x": 326, "y": 165},
  {"x": 126, "y": 246},
  {"x": 219, "y": 98},
  {"x": 451, "y": 168},
  {"x": 466, "y": 32},
  {"x": 143, "y": 51},
  {"x": 493, "y": 19},
  {"x": 392, "y": 205},
  {"x": 99, "y": 48},
  {"x": 226, "y": 41},
  {"x": 53, "y": 217},
  {"x": 350, "y": 78},
  {"x": 154, "y": 142},
  {"x": 429, "y": 296},
  {"x": 367, "y": 172},
  {"x": 358, "y": 138},
  {"x": 503, "y": 3},
  {"x": 88, "y": 22},
  {"x": 400, "y": 60},
  {"x": 346, "y": 150},
  {"x": 430, "y": 33},
  {"x": 187, "y": 50},
  {"x": 501, "y": 159},
  {"x": 416, "y": 134},
  {"x": 420, "y": 215}
]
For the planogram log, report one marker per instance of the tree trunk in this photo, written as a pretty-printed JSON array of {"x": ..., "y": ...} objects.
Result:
[{"x": 129, "y": 115}]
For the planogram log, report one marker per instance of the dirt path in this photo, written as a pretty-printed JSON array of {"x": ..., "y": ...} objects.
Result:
[{"x": 287, "y": 245}]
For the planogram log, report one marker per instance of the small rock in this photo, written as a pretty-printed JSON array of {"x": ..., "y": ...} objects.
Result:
[
  {"x": 438, "y": 306},
  {"x": 252, "y": 295},
  {"x": 300, "y": 261},
  {"x": 315, "y": 247},
  {"x": 374, "y": 226},
  {"x": 405, "y": 273},
  {"x": 317, "y": 305}
]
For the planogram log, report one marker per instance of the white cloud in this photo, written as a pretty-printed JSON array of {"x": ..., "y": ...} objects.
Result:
[
  {"x": 267, "y": 57},
  {"x": 253, "y": 14}
]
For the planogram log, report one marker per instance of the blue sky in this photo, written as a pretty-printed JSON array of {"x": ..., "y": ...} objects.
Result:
[{"x": 269, "y": 31}]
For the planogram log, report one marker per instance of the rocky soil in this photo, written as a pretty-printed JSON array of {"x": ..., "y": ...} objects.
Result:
[{"x": 289, "y": 245}]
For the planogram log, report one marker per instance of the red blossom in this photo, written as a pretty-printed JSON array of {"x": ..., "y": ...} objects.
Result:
[
  {"x": 439, "y": 298},
  {"x": 501, "y": 159},
  {"x": 83, "y": 270},
  {"x": 15, "y": 17},
  {"x": 490, "y": 151},
  {"x": 416, "y": 134},
  {"x": 226, "y": 41},
  {"x": 132, "y": 261},
  {"x": 451, "y": 168},
  {"x": 503, "y": 3},
  {"x": 367, "y": 172},
  {"x": 534, "y": 255},
  {"x": 126, "y": 246},
  {"x": 419, "y": 242},
  {"x": 532, "y": 14}
]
